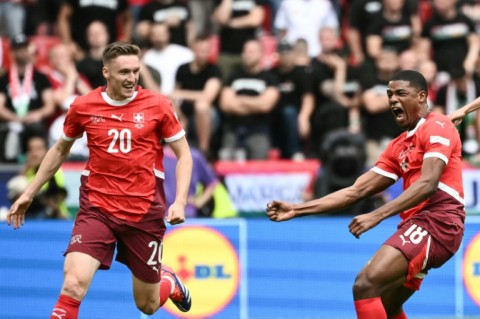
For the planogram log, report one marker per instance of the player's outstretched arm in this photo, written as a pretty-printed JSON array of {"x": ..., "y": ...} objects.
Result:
[
  {"x": 50, "y": 164},
  {"x": 457, "y": 116},
  {"x": 419, "y": 191},
  {"x": 366, "y": 185}
]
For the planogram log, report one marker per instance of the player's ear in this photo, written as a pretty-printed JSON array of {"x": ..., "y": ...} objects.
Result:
[
  {"x": 422, "y": 96},
  {"x": 105, "y": 72}
]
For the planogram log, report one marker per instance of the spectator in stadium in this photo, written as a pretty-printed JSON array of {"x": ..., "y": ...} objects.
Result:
[
  {"x": 49, "y": 202},
  {"x": 295, "y": 105},
  {"x": 13, "y": 17},
  {"x": 247, "y": 103},
  {"x": 303, "y": 19},
  {"x": 393, "y": 28},
  {"x": 300, "y": 49},
  {"x": 337, "y": 105},
  {"x": 197, "y": 87},
  {"x": 202, "y": 184},
  {"x": 26, "y": 101},
  {"x": 173, "y": 13},
  {"x": 67, "y": 83},
  {"x": 361, "y": 16},
  {"x": 121, "y": 196},
  {"x": 429, "y": 70},
  {"x": 378, "y": 124},
  {"x": 461, "y": 90},
  {"x": 165, "y": 57},
  {"x": 76, "y": 15},
  {"x": 91, "y": 64},
  {"x": 149, "y": 78},
  {"x": 451, "y": 37},
  {"x": 238, "y": 21},
  {"x": 428, "y": 158}
]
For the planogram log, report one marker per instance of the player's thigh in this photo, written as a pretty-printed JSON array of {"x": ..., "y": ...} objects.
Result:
[
  {"x": 393, "y": 299},
  {"x": 92, "y": 235},
  {"x": 145, "y": 293},
  {"x": 140, "y": 247},
  {"x": 81, "y": 268},
  {"x": 387, "y": 268}
]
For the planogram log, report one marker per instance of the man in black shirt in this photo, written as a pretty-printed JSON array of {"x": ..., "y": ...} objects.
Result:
[
  {"x": 26, "y": 102},
  {"x": 247, "y": 102},
  {"x": 76, "y": 15},
  {"x": 198, "y": 84},
  {"x": 238, "y": 21},
  {"x": 295, "y": 106},
  {"x": 174, "y": 13}
]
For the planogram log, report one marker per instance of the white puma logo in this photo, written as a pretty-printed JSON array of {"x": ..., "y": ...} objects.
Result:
[
  {"x": 438, "y": 122},
  {"x": 54, "y": 313},
  {"x": 404, "y": 240},
  {"x": 117, "y": 117}
]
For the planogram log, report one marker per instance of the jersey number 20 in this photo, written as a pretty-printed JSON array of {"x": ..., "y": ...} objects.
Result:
[{"x": 121, "y": 141}]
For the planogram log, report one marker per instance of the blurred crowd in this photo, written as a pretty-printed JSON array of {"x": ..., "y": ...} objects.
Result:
[{"x": 250, "y": 79}]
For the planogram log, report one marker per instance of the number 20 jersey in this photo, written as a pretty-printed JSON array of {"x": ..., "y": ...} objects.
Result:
[{"x": 124, "y": 141}]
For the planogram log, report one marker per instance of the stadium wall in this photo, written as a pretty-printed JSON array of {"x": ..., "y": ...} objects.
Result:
[{"x": 237, "y": 269}]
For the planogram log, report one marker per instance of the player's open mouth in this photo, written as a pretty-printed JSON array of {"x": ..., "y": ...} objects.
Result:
[{"x": 398, "y": 113}]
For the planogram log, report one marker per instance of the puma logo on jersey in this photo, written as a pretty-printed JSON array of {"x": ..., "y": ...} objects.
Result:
[
  {"x": 440, "y": 123},
  {"x": 119, "y": 118},
  {"x": 404, "y": 241}
]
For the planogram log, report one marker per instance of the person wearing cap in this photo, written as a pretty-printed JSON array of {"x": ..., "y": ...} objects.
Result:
[
  {"x": 26, "y": 101},
  {"x": 295, "y": 106}
]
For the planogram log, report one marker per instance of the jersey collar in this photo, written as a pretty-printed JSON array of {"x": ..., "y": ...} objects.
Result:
[
  {"x": 108, "y": 100},
  {"x": 410, "y": 133}
]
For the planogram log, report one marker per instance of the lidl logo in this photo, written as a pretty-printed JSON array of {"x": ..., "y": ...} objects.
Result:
[
  {"x": 471, "y": 269},
  {"x": 207, "y": 263}
]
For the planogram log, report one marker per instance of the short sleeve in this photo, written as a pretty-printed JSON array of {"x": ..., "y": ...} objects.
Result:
[
  {"x": 72, "y": 128},
  {"x": 437, "y": 139},
  {"x": 386, "y": 164},
  {"x": 171, "y": 129}
]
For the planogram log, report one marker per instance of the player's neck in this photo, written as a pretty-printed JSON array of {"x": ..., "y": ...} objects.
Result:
[{"x": 113, "y": 96}]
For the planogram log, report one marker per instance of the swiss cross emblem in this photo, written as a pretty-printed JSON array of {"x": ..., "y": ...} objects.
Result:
[{"x": 138, "y": 119}]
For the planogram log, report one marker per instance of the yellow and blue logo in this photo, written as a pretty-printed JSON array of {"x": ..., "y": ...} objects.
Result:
[
  {"x": 471, "y": 269},
  {"x": 207, "y": 263}
]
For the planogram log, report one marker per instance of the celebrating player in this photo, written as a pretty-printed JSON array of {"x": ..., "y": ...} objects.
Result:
[
  {"x": 428, "y": 158},
  {"x": 122, "y": 202}
]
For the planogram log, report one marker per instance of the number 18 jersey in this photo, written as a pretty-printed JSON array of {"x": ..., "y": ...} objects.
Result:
[{"x": 124, "y": 141}]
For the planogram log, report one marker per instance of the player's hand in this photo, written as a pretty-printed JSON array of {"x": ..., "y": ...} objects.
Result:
[
  {"x": 280, "y": 211},
  {"x": 362, "y": 223},
  {"x": 457, "y": 116},
  {"x": 176, "y": 214},
  {"x": 17, "y": 211}
]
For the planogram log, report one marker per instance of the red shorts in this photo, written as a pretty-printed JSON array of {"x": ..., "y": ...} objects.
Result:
[
  {"x": 427, "y": 240},
  {"x": 139, "y": 244}
]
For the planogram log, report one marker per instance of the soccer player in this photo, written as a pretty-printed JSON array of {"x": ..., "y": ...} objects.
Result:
[
  {"x": 428, "y": 158},
  {"x": 122, "y": 202}
]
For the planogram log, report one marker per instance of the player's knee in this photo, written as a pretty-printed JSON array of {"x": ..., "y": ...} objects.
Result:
[
  {"x": 363, "y": 287},
  {"x": 148, "y": 307},
  {"x": 74, "y": 287}
]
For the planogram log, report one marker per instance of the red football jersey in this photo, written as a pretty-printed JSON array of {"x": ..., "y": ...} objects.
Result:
[
  {"x": 123, "y": 138},
  {"x": 434, "y": 136}
]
